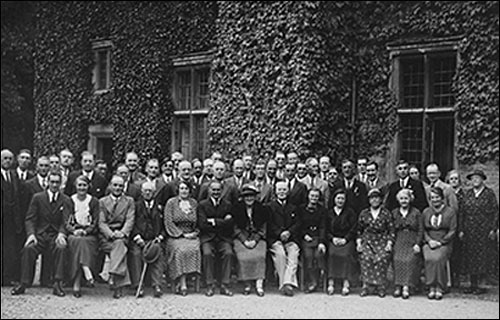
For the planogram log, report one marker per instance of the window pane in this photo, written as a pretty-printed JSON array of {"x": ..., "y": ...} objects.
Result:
[
  {"x": 102, "y": 69},
  {"x": 413, "y": 83},
  {"x": 184, "y": 91},
  {"x": 200, "y": 139},
  {"x": 443, "y": 72},
  {"x": 203, "y": 90},
  {"x": 411, "y": 138}
]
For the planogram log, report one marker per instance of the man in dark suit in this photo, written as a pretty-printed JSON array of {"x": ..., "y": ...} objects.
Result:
[
  {"x": 297, "y": 194},
  {"x": 248, "y": 173},
  {"x": 132, "y": 162},
  {"x": 66, "y": 159},
  {"x": 229, "y": 192},
  {"x": 237, "y": 179},
  {"x": 404, "y": 181},
  {"x": 23, "y": 165},
  {"x": 98, "y": 182},
  {"x": 130, "y": 189},
  {"x": 266, "y": 192},
  {"x": 12, "y": 221},
  {"x": 216, "y": 225},
  {"x": 148, "y": 227},
  {"x": 46, "y": 230},
  {"x": 283, "y": 235},
  {"x": 356, "y": 193}
]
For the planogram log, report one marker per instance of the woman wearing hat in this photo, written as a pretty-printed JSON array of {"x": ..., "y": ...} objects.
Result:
[
  {"x": 341, "y": 226},
  {"x": 250, "y": 223},
  {"x": 409, "y": 229},
  {"x": 374, "y": 243},
  {"x": 477, "y": 227},
  {"x": 440, "y": 225},
  {"x": 82, "y": 230},
  {"x": 183, "y": 243}
]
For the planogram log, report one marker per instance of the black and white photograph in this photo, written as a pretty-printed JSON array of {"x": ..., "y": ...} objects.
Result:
[{"x": 250, "y": 159}]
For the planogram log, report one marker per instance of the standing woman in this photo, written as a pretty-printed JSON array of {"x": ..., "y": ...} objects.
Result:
[
  {"x": 82, "y": 230},
  {"x": 409, "y": 229},
  {"x": 440, "y": 226},
  {"x": 341, "y": 228},
  {"x": 313, "y": 216},
  {"x": 477, "y": 228},
  {"x": 250, "y": 225},
  {"x": 374, "y": 243},
  {"x": 183, "y": 243}
]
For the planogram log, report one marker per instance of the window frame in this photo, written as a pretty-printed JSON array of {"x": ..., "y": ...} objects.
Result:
[{"x": 99, "y": 46}]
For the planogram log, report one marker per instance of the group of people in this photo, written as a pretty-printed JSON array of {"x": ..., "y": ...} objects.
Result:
[{"x": 184, "y": 217}]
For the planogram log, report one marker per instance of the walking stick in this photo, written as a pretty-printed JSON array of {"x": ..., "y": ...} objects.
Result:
[{"x": 143, "y": 275}]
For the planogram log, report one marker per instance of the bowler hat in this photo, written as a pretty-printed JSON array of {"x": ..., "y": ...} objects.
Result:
[
  {"x": 248, "y": 189},
  {"x": 477, "y": 172},
  {"x": 151, "y": 252}
]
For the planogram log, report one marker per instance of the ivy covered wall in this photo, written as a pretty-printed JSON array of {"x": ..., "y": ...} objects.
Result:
[{"x": 145, "y": 35}]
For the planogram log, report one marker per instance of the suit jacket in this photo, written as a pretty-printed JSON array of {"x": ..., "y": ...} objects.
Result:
[
  {"x": 136, "y": 176},
  {"x": 113, "y": 218},
  {"x": 92, "y": 229},
  {"x": 254, "y": 229},
  {"x": 97, "y": 188},
  {"x": 148, "y": 222},
  {"x": 43, "y": 217},
  {"x": 343, "y": 225},
  {"x": 420, "y": 201},
  {"x": 266, "y": 192},
  {"x": 283, "y": 218},
  {"x": 223, "y": 228},
  {"x": 356, "y": 197},
  {"x": 313, "y": 224},
  {"x": 29, "y": 174},
  {"x": 11, "y": 200},
  {"x": 132, "y": 191},
  {"x": 298, "y": 194},
  {"x": 229, "y": 192},
  {"x": 232, "y": 180}
]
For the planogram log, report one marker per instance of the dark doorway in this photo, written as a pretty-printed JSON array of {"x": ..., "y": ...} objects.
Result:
[
  {"x": 105, "y": 150},
  {"x": 442, "y": 141}
]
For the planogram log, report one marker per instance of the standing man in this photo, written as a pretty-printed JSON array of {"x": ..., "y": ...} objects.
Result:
[
  {"x": 12, "y": 220},
  {"x": 55, "y": 162},
  {"x": 132, "y": 162},
  {"x": 314, "y": 181},
  {"x": 237, "y": 179},
  {"x": 405, "y": 182},
  {"x": 215, "y": 221},
  {"x": 98, "y": 183},
  {"x": 271, "y": 168},
  {"x": 248, "y": 173},
  {"x": 292, "y": 158},
  {"x": 197, "y": 171},
  {"x": 116, "y": 220},
  {"x": 280, "y": 161},
  {"x": 362, "y": 176},
  {"x": 23, "y": 165},
  {"x": 356, "y": 193},
  {"x": 229, "y": 192},
  {"x": 208, "y": 171},
  {"x": 38, "y": 183},
  {"x": 102, "y": 167},
  {"x": 129, "y": 189},
  {"x": 434, "y": 174},
  {"x": 265, "y": 194},
  {"x": 324, "y": 166},
  {"x": 373, "y": 179},
  {"x": 66, "y": 159},
  {"x": 297, "y": 194},
  {"x": 148, "y": 227},
  {"x": 284, "y": 230},
  {"x": 46, "y": 230}
]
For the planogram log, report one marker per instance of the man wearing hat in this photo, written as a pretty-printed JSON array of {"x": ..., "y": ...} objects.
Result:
[{"x": 146, "y": 236}]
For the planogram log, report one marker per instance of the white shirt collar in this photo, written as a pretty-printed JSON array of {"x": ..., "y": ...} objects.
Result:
[
  {"x": 4, "y": 174},
  {"x": 51, "y": 194},
  {"x": 477, "y": 193},
  {"x": 215, "y": 202},
  {"x": 89, "y": 174}
]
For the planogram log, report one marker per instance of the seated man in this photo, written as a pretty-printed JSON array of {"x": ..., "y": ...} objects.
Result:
[
  {"x": 45, "y": 228},
  {"x": 116, "y": 220},
  {"x": 216, "y": 224},
  {"x": 148, "y": 227},
  {"x": 284, "y": 225}
]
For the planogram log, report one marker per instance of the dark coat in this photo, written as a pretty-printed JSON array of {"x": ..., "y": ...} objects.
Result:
[
  {"x": 244, "y": 229},
  {"x": 356, "y": 197},
  {"x": 223, "y": 227},
  {"x": 11, "y": 204},
  {"x": 97, "y": 187},
  {"x": 298, "y": 194},
  {"x": 43, "y": 217},
  {"x": 148, "y": 222},
  {"x": 420, "y": 201},
  {"x": 283, "y": 218},
  {"x": 229, "y": 192},
  {"x": 313, "y": 223},
  {"x": 341, "y": 226}
]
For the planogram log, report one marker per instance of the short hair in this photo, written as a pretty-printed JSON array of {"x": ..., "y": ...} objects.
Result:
[
  {"x": 407, "y": 192},
  {"x": 149, "y": 184},
  {"x": 212, "y": 182},
  {"x": 55, "y": 173},
  {"x": 100, "y": 161},
  {"x": 195, "y": 160},
  {"x": 187, "y": 184},
  {"x": 219, "y": 164},
  {"x": 347, "y": 160},
  {"x": 373, "y": 163},
  {"x": 311, "y": 159},
  {"x": 315, "y": 190},
  {"x": 131, "y": 153},
  {"x": 207, "y": 162},
  {"x": 281, "y": 183},
  {"x": 432, "y": 165},
  {"x": 83, "y": 178},
  {"x": 401, "y": 162},
  {"x": 28, "y": 151},
  {"x": 65, "y": 149},
  {"x": 339, "y": 191},
  {"x": 452, "y": 172},
  {"x": 116, "y": 177},
  {"x": 260, "y": 162},
  {"x": 280, "y": 153},
  {"x": 438, "y": 191},
  {"x": 362, "y": 157},
  {"x": 87, "y": 153},
  {"x": 153, "y": 160}
]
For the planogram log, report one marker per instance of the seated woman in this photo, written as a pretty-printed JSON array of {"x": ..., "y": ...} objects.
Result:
[
  {"x": 409, "y": 228},
  {"x": 82, "y": 234},
  {"x": 313, "y": 217},
  {"x": 183, "y": 243},
  {"x": 374, "y": 243},
  {"x": 250, "y": 225},
  {"x": 341, "y": 225},
  {"x": 440, "y": 225}
]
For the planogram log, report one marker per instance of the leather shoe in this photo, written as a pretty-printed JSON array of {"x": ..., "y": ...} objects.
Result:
[
  {"x": 260, "y": 292},
  {"x": 247, "y": 290},
  {"x": 288, "y": 290},
  {"x": 381, "y": 293},
  {"x": 91, "y": 283},
  {"x": 77, "y": 294},
  {"x": 311, "y": 288},
  {"x": 210, "y": 291},
  {"x": 117, "y": 293},
  {"x": 226, "y": 291},
  {"x": 18, "y": 290},
  {"x": 58, "y": 291},
  {"x": 157, "y": 291},
  {"x": 469, "y": 290}
]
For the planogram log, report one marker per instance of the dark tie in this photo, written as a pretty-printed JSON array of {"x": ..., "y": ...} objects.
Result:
[{"x": 7, "y": 175}]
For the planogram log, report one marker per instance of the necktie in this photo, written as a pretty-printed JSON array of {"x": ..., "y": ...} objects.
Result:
[
  {"x": 44, "y": 183},
  {"x": 402, "y": 183},
  {"x": 7, "y": 175}
]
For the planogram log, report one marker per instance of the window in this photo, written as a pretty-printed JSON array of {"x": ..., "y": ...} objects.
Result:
[
  {"x": 101, "y": 78},
  {"x": 423, "y": 78},
  {"x": 192, "y": 104}
]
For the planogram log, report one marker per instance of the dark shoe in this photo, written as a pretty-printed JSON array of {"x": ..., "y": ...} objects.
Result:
[
  {"x": 364, "y": 292},
  {"x": 311, "y": 288},
  {"x": 58, "y": 291},
  {"x": 260, "y": 292},
  {"x": 478, "y": 291},
  {"x": 20, "y": 289},
  {"x": 77, "y": 294},
  {"x": 288, "y": 290},
  {"x": 99, "y": 279},
  {"x": 226, "y": 291},
  {"x": 397, "y": 293},
  {"x": 91, "y": 283},
  {"x": 210, "y": 291},
  {"x": 157, "y": 292},
  {"x": 140, "y": 294},
  {"x": 381, "y": 293},
  {"x": 469, "y": 290},
  {"x": 117, "y": 293},
  {"x": 247, "y": 290}
]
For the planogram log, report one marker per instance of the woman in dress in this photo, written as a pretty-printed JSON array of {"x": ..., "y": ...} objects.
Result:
[
  {"x": 250, "y": 225},
  {"x": 409, "y": 229},
  {"x": 82, "y": 234},
  {"x": 313, "y": 216},
  {"x": 440, "y": 226},
  {"x": 341, "y": 227},
  {"x": 183, "y": 243},
  {"x": 477, "y": 231},
  {"x": 374, "y": 243}
]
